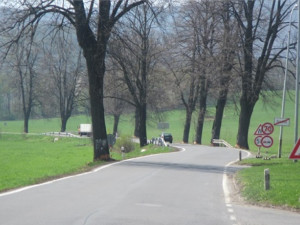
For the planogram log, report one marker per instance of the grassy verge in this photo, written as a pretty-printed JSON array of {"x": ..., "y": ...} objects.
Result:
[
  {"x": 31, "y": 159},
  {"x": 285, "y": 183}
]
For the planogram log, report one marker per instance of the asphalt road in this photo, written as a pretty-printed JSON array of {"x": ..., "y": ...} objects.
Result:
[{"x": 187, "y": 187}]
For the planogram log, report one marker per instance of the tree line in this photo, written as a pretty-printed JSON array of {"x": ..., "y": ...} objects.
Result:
[{"x": 73, "y": 56}]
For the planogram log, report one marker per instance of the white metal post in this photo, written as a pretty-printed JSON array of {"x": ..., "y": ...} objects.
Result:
[
  {"x": 284, "y": 82},
  {"x": 297, "y": 79}
]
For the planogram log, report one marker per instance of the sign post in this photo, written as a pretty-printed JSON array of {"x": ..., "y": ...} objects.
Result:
[
  {"x": 257, "y": 142},
  {"x": 263, "y": 138},
  {"x": 281, "y": 122}
]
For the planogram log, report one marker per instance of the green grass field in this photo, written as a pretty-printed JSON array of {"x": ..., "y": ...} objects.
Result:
[
  {"x": 29, "y": 159},
  {"x": 262, "y": 113}
]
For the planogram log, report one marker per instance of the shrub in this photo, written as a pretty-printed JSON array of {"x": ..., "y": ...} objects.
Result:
[{"x": 126, "y": 142}]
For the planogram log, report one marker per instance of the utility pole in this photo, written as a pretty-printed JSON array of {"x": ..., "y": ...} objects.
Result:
[
  {"x": 297, "y": 79},
  {"x": 284, "y": 82}
]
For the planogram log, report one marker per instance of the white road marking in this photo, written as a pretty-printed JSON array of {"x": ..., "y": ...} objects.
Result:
[
  {"x": 233, "y": 218},
  {"x": 149, "y": 205},
  {"x": 230, "y": 210},
  {"x": 77, "y": 175},
  {"x": 227, "y": 192}
]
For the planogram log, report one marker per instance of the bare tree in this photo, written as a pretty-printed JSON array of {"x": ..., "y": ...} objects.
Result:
[
  {"x": 116, "y": 95},
  {"x": 136, "y": 51},
  {"x": 23, "y": 61},
  {"x": 93, "y": 22},
  {"x": 67, "y": 72},
  {"x": 205, "y": 26},
  {"x": 226, "y": 61},
  {"x": 260, "y": 23},
  {"x": 184, "y": 59}
]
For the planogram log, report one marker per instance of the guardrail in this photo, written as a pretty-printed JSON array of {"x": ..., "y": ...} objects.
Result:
[
  {"x": 61, "y": 134},
  {"x": 158, "y": 141},
  {"x": 222, "y": 142}
]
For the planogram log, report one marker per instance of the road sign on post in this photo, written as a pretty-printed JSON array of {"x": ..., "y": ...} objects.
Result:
[
  {"x": 267, "y": 128},
  {"x": 282, "y": 121},
  {"x": 267, "y": 141},
  {"x": 263, "y": 138},
  {"x": 295, "y": 154},
  {"x": 259, "y": 130},
  {"x": 257, "y": 141}
]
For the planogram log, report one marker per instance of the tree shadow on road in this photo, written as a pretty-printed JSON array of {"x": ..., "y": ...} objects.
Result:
[{"x": 184, "y": 167}]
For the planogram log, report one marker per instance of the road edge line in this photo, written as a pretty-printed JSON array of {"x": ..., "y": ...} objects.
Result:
[
  {"x": 225, "y": 177},
  {"x": 18, "y": 190}
]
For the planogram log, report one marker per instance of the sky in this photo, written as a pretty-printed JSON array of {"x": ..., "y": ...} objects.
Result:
[{"x": 13, "y": 2}]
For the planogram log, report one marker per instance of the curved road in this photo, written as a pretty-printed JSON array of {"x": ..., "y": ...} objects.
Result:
[{"x": 186, "y": 187}]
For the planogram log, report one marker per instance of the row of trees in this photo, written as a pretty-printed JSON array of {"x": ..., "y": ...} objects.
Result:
[
  {"x": 43, "y": 78},
  {"x": 225, "y": 42},
  {"x": 140, "y": 55}
]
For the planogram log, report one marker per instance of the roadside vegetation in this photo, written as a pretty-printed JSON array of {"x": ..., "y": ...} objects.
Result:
[
  {"x": 284, "y": 183},
  {"x": 29, "y": 159},
  {"x": 284, "y": 173}
]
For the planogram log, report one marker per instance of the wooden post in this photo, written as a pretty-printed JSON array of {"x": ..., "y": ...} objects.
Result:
[
  {"x": 267, "y": 179},
  {"x": 240, "y": 155}
]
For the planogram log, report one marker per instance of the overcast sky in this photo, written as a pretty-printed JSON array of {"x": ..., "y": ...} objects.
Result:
[{"x": 13, "y": 2}]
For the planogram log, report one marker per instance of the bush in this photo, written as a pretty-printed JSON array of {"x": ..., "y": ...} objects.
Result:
[{"x": 126, "y": 142}]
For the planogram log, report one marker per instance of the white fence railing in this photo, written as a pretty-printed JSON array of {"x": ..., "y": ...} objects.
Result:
[
  {"x": 222, "y": 142},
  {"x": 158, "y": 141},
  {"x": 61, "y": 134}
]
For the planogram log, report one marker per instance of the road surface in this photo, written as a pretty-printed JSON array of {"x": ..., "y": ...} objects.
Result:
[{"x": 186, "y": 187}]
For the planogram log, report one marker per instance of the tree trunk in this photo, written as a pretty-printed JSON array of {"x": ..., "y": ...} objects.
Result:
[
  {"x": 200, "y": 124},
  {"x": 63, "y": 124},
  {"x": 137, "y": 123},
  {"x": 116, "y": 123},
  {"x": 65, "y": 115},
  {"x": 221, "y": 102},
  {"x": 26, "y": 108},
  {"x": 202, "y": 110},
  {"x": 26, "y": 122},
  {"x": 96, "y": 71},
  {"x": 186, "y": 132},
  {"x": 143, "y": 120},
  {"x": 244, "y": 122}
]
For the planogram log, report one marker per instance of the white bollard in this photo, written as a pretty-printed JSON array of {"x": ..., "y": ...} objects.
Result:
[{"x": 123, "y": 152}]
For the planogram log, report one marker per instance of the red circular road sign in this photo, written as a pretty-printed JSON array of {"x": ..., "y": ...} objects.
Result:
[
  {"x": 267, "y": 128},
  {"x": 257, "y": 141},
  {"x": 267, "y": 141}
]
